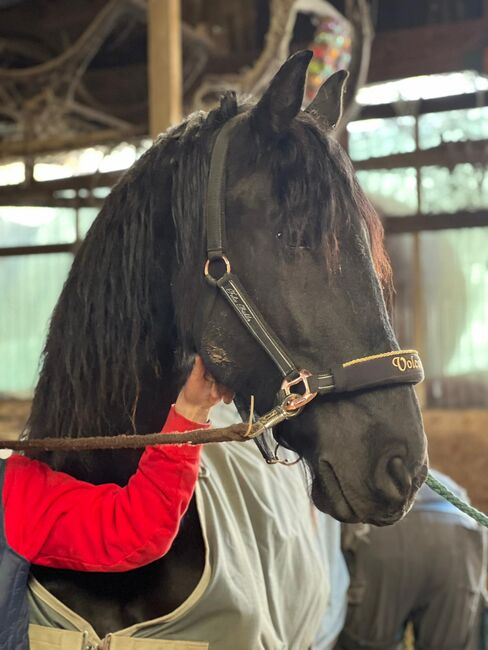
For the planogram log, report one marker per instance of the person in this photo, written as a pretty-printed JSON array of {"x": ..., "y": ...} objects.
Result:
[
  {"x": 429, "y": 570},
  {"x": 329, "y": 543},
  {"x": 52, "y": 519},
  {"x": 262, "y": 583}
]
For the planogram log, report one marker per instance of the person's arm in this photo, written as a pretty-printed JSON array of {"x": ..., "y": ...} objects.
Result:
[{"x": 55, "y": 520}]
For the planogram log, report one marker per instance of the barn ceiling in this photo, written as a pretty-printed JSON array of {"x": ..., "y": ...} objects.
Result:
[{"x": 75, "y": 68}]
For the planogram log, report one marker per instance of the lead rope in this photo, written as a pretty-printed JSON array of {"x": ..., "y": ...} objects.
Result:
[
  {"x": 236, "y": 432},
  {"x": 444, "y": 492}
]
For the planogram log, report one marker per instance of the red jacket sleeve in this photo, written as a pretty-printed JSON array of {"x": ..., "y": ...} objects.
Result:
[{"x": 56, "y": 520}]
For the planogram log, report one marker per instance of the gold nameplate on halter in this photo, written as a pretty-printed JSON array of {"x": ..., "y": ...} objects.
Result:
[
  {"x": 400, "y": 359},
  {"x": 378, "y": 370}
]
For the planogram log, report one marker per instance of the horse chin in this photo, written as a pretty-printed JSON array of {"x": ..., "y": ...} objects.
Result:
[
  {"x": 329, "y": 497},
  {"x": 332, "y": 501}
]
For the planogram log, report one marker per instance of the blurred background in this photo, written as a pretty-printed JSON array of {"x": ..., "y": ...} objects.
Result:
[{"x": 86, "y": 86}]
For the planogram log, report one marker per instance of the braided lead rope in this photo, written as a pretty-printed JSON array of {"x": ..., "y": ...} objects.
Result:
[
  {"x": 234, "y": 432},
  {"x": 443, "y": 491}
]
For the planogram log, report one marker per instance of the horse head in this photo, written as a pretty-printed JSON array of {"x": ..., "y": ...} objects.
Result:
[
  {"x": 305, "y": 244},
  {"x": 307, "y": 247}
]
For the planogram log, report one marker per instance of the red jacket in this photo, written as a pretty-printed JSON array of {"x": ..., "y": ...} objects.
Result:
[{"x": 56, "y": 520}]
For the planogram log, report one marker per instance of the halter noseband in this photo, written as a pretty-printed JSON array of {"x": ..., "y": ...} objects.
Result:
[{"x": 386, "y": 369}]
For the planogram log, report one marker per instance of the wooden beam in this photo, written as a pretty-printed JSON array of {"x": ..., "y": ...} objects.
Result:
[
  {"x": 431, "y": 49},
  {"x": 418, "y": 311},
  {"x": 47, "y": 17},
  {"x": 38, "y": 250},
  {"x": 447, "y": 154},
  {"x": 48, "y": 201},
  {"x": 44, "y": 193},
  {"x": 83, "y": 181},
  {"x": 423, "y": 106},
  {"x": 18, "y": 149},
  {"x": 421, "y": 222},
  {"x": 35, "y": 201},
  {"x": 164, "y": 64}
]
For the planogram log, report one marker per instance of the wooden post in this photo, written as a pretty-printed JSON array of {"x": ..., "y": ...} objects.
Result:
[
  {"x": 419, "y": 312},
  {"x": 418, "y": 293},
  {"x": 164, "y": 64}
]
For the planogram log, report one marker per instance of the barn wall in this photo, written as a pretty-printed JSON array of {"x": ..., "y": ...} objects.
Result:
[
  {"x": 458, "y": 446},
  {"x": 13, "y": 415}
]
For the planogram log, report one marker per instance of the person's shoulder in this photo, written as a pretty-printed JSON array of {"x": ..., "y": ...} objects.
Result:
[{"x": 19, "y": 462}]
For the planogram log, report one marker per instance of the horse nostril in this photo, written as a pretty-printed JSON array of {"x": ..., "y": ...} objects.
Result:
[
  {"x": 393, "y": 480},
  {"x": 400, "y": 475}
]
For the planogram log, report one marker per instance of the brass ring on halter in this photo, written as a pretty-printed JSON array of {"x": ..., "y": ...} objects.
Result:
[{"x": 206, "y": 269}]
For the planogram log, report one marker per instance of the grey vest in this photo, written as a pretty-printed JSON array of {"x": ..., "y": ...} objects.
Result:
[
  {"x": 14, "y": 571},
  {"x": 264, "y": 586}
]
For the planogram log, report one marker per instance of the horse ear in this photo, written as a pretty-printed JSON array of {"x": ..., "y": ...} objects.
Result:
[
  {"x": 283, "y": 98},
  {"x": 329, "y": 99}
]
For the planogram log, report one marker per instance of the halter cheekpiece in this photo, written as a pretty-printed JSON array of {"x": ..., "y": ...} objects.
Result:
[{"x": 299, "y": 386}]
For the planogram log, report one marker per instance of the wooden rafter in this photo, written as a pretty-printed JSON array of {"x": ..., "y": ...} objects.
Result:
[
  {"x": 45, "y": 194},
  {"x": 447, "y": 154},
  {"x": 421, "y": 222},
  {"x": 20, "y": 148},
  {"x": 429, "y": 50},
  {"x": 424, "y": 106}
]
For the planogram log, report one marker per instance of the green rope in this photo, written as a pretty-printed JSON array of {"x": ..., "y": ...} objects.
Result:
[{"x": 442, "y": 490}]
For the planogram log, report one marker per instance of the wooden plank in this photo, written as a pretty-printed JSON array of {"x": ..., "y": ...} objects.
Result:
[
  {"x": 418, "y": 312},
  {"x": 431, "y": 49},
  {"x": 423, "y": 106},
  {"x": 18, "y": 149},
  {"x": 29, "y": 200},
  {"x": 447, "y": 154},
  {"x": 421, "y": 222},
  {"x": 42, "y": 18},
  {"x": 45, "y": 249},
  {"x": 43, "y": 193},
  {"x": 83, "y": 181},
  {"x": 164, "y": 64}
]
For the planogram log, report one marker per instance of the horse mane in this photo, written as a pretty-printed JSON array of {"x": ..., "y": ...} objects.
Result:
[{"x": 113, "y": 329}]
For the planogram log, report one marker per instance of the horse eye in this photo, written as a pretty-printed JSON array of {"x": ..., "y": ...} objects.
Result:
[{"x": 294, "y": 241}]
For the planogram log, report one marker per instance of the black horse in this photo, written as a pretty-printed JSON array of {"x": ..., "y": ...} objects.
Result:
[{"x": 307, "y": 246}]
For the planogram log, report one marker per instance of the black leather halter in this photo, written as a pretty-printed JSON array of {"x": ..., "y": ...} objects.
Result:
[{"x": 386, "y": 369}]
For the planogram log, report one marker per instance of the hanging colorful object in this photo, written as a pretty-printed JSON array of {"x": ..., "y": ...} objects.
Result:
[{"x": 331, "y": 48}]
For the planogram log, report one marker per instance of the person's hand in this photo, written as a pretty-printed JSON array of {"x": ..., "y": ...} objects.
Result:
[{"x": 200, "y": 393}]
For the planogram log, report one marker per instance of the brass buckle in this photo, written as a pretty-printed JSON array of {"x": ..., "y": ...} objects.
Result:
[{"x": 297, "y": 401}]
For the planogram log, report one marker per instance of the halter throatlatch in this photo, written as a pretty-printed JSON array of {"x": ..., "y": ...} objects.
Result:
[{"x": 299, "y": 386}]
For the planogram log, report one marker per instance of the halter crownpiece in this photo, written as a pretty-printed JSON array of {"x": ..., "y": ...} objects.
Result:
[{"x": 378, "y": 370}]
